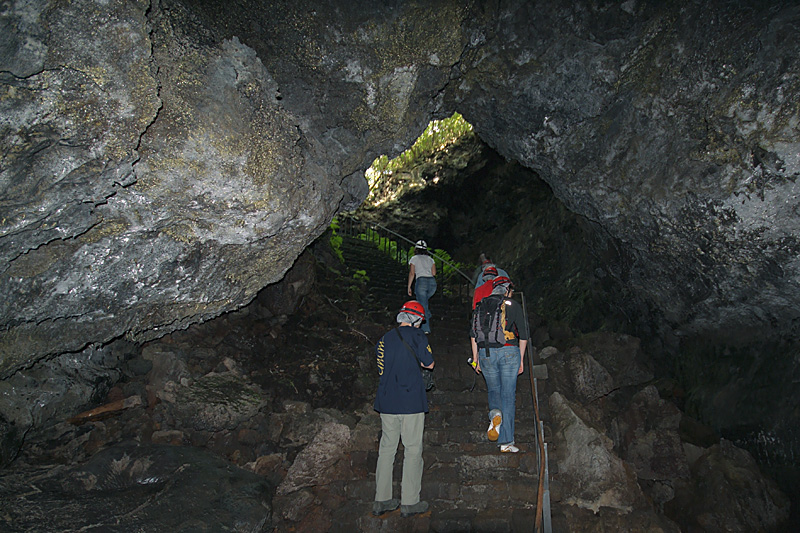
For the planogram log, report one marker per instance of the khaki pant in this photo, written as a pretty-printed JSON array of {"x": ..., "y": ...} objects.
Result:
[{"x": 410, "y": 429}]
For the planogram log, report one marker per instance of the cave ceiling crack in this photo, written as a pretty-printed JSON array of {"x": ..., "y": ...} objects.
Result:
[
  {"x": 148, "y": 14},
  {"x": 54, "y": 239}
]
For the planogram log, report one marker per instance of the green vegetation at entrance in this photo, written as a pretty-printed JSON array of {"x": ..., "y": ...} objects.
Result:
[{"x": 437, "y": 137}]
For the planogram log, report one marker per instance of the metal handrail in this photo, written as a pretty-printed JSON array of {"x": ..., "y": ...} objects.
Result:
[
  {"x": 440, "y": 258},
  {"x": 542, "y": 523},
  {"x": 350, "y": 222}
]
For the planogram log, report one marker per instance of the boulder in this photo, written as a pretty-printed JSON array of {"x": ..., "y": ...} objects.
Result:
[
  {"x": 596, "y": 477},
  {"x": 590, "y": 379},
  {"x": 577, "y": 520},
  {"x": 650, "y": 441},
  {"x": 727, "y": 492},
  {"x": 214, "y": 402},
  {"x": 313, "y": 464},
  {"x": 621, "y": 355}
]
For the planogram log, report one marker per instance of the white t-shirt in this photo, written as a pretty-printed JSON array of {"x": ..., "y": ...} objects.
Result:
[{"x": 423, "y": 265}]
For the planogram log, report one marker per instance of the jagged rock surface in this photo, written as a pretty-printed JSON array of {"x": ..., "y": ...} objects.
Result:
[
  {"x": 163, "y": 161},
  {"x": 151, "y": 178},
  {"x": 298, "y": 465},
  {"x": 135, "y": 487},
  {"x": 168, "y": 161}
]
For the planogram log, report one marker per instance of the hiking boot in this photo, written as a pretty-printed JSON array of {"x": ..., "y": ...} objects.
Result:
[
  {"x": 379, "y": 508},
  {"x": 417, "y": 508},
  {"x": 494, "y": 426},
  {"x": 508, "y": 448}
]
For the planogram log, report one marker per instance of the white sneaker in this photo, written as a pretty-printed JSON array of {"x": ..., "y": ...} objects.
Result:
[
  {"x": 508, "y": 448},
  {"x": 494, "y": 427}
]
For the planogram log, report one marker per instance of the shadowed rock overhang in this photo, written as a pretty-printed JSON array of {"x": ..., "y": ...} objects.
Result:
[{"x": 164, "y": 161}]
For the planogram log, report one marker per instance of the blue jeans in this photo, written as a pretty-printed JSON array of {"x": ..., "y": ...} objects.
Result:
[
  {"x": 500, "y": 370},
  {"x": 423, "y": 290}
]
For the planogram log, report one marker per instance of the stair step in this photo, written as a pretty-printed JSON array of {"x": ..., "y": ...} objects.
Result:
[{"x": 452, "y": 489}]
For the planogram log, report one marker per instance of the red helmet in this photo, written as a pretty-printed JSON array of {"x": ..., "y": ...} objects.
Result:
[
  {"x": 413, "y": 307},
  {"x": 501, "y": 280},
  {"x": 490, "y": 271}
]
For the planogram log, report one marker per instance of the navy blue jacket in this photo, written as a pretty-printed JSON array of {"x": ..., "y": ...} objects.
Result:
[{"x": 401, "y": 390}]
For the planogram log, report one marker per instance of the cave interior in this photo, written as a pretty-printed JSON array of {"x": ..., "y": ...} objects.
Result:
[{"x": 170, "y": 167}]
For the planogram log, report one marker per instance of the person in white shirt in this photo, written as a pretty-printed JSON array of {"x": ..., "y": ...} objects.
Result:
[{"x": 422, "y": 275}]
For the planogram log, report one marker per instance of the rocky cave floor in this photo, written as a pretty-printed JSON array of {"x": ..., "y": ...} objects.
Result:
[
  {"x": 248, "y": 365},
  {"x": 316, "y": 356},
  {"x": 254, "y": 391}
]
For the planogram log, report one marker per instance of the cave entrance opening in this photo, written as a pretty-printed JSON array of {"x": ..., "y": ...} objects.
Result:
[
  {"x": 456, "y": 191},
  {"x": 392, "y": 182},
  {"x": 388, "y": 179}
]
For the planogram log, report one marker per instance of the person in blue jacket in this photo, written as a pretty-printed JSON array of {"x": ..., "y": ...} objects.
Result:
[{"x": 402, "y": 402}]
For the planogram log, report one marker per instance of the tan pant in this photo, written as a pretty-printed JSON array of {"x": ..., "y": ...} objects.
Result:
[{"x": 394, "y": 427}]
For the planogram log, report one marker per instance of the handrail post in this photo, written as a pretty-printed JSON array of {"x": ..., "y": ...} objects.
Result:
[
  {"x": 538, "y": 422},
  {"x": 546, "y": 522}
]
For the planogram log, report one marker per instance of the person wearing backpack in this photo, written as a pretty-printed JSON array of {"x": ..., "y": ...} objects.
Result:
[
  {"x": 484, "y": 290},
  {"x": 402, "y": 403},
  {"x": 422, "y": 274},
  {"x": 479, "y": 275},
  {"x": 475, "y": 279},
  {"x": 499, "y": 336}
]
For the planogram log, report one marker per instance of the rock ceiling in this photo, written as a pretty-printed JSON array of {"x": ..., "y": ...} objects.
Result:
[{"x": 164, "y": 161}]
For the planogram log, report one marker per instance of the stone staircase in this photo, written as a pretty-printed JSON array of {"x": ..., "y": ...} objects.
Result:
[
  {"x": 387, "y": 280},
  {"x": 469, "y": 484}
]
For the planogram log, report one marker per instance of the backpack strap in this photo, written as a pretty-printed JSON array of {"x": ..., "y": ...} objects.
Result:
[
  {"x": 397, "y": 330},
  {"x": 426, "y": 373}
]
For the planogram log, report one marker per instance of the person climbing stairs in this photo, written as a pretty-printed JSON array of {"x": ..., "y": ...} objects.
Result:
[{"x": 469, "y": 484}]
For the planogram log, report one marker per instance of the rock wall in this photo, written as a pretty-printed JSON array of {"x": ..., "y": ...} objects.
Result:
[
  {"x": 150, "y": 177},
  {"x": 163, "y": 161},
  {"x": 672, "y": 126}
]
